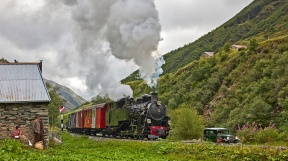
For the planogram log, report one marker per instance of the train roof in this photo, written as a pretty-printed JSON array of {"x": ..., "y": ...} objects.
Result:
[{"x": 95, "y": 106}]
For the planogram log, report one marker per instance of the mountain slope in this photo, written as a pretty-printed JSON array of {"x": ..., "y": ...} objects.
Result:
[
  {"x": 235, "y": 86},
  {"x": 258, "y": 17},
  {"x": 72, "y": 99}
]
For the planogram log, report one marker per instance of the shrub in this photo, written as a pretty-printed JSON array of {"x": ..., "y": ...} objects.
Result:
[
  {"x": 253, "y": 133},
  {"x": 253, "y": 44},
  {"x": 247, "y": 133},
  {"x": 269, "y": 134},
  {"x": 186, "y": 123},
  {"x": 227, "y": 46}
]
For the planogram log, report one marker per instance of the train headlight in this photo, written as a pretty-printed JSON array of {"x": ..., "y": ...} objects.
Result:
[
  {"x": 149, "y": 121},
  {"x": 159, "y": 103},
  {"x": 169, "y": 122}
]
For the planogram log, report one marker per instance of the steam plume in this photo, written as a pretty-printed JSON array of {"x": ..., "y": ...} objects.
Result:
[{"x": 131, "y": 29}]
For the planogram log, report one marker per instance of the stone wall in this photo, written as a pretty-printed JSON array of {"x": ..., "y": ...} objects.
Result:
[{"x": 22, "y": 114}]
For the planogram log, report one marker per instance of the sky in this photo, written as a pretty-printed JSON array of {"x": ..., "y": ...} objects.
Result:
[{"x": 89, "y": 46}]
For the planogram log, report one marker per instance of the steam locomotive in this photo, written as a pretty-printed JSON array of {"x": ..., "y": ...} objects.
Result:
[{"x": 145, "y": 117}]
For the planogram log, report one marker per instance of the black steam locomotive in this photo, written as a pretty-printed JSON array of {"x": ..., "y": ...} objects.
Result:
[{"x": 145, "y": 117}]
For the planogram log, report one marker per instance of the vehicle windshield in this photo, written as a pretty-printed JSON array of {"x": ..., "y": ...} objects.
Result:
[{"x": 223, "y": 132}]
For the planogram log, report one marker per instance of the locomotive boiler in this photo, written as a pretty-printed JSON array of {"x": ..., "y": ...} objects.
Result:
[{"x": 145, "y": 117}]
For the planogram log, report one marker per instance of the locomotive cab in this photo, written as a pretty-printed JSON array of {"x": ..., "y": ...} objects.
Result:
[{"x": 146, "y": 98}]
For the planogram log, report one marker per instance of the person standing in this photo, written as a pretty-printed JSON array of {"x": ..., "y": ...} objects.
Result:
[
  {"x": 41, "y": 131},
  {"x": 38, "y": 129}
]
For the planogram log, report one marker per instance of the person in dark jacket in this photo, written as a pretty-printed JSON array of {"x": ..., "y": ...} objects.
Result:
[
  {"x": 38, "y": 129},
  {"x": 41, "y": 131}
]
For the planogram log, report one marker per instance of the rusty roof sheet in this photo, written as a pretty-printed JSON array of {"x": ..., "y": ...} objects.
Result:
[{"x": 22, "y": 83}]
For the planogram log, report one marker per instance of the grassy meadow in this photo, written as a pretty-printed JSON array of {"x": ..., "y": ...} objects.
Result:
[{"x": 83, "y": 148}]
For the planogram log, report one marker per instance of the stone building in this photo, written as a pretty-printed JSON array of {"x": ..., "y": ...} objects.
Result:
[
  {"x": 238, "y": 47},
  {"x": 23, "y": 95},
  {"x": 208, "y": 54}
]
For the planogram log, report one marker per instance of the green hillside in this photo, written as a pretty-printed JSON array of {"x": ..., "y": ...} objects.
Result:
[
  {"x": 259, "y": 17},
  {"x": 233, "y": 86}
]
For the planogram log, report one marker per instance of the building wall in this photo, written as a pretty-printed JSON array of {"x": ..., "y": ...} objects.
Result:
[{"x": 22, "y": 114}]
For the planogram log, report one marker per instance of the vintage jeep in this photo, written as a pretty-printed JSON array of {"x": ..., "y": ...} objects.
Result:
[{"x": 219, "y": 135}]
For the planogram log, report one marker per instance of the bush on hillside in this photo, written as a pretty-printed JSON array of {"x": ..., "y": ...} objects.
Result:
[
  {"x": 186, "y": 123},
  {"x": 269, "y": 134},
  {"x": 253, "y": 133},
  {"x": 247, "y": 133}
]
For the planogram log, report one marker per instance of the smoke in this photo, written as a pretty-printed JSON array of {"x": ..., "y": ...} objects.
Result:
[
  {"x": 131, "y": 29},
  {"x": 151, "y": 80},
  {"x": 87, "y": 44}
]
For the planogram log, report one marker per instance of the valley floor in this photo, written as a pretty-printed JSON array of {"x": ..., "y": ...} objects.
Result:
[{"x": 83, "y": 148}]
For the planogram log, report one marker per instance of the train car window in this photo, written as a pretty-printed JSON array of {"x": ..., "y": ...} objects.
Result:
[{"x": 121, "y": 102}]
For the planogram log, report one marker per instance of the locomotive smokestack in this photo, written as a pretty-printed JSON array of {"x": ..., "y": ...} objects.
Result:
[{"x": 154, "y": 96}]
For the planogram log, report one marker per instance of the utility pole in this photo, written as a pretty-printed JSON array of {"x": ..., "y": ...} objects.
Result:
[
  {"x": 61, "y": 110},
  {"x": 62, "y": 121}
]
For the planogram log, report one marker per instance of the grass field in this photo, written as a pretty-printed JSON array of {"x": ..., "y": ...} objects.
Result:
[{"x": 84, "y": 149}]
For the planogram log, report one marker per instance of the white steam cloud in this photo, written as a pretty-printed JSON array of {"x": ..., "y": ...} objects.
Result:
[
  {"x": 83, "y": 40},
  {"x": 151, "y": 80},
  {"x": 131, "y": 29}
]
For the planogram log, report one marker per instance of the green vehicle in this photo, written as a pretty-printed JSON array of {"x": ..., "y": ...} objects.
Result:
[{"x": 219, "y": 135}]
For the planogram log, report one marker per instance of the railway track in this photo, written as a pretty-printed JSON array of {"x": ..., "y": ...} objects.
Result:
[{"x": 101, "y": 138}]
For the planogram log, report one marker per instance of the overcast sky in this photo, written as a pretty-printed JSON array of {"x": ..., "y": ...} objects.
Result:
[{"x": 89, "y": 46}]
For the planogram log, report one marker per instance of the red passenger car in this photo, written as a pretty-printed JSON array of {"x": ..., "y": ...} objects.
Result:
[{"x": 89, "y": 120}]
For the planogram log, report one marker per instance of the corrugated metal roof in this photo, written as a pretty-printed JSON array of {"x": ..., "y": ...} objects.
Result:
[{"x": 22, "y": 82}]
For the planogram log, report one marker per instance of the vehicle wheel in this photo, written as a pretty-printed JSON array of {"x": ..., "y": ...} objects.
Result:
[{"x": 164, "y": 137}]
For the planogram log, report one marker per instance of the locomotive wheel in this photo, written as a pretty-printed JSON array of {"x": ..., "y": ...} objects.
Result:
[
  {"x": 140, "y": 137},
  {"x": 121, "y": 136}
]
